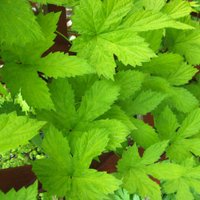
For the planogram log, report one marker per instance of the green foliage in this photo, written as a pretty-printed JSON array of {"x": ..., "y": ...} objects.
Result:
[
  {"x": 179, "y": 135},
  {"x": 24, "y": 23},
  {"x": 29, "y": 193},
  {"x": 67, "y": 174},
  {"x": 128, "y": 59},
  {"x": 135, "y": 170},
  {"x": 187, "y": 184},
  {"x": 17, "y": 130}
]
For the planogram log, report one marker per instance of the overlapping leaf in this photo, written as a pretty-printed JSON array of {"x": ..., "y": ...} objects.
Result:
[
  {"x": 65, "y": 175},
  {"x": 179, "y": 135},
  {"x": 185, "y": 186},
  {"x": 135, "y": 170},
  {"x": 21, "y": 74},
  {"x": 17, "y": 130},
  {"x": 29, "y": 193},
  {"x": 21, "y": 19},
  {"x": 186, "y": 43}
]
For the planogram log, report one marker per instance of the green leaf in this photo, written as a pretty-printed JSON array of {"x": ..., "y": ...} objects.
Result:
[
  {"x": 97, "y": 100},
  {"x": 121, "y": 194},
  {"x": 135, "y": 181},
  {"x": 144, "y": 135},
  {"x": 147, "y": 20},
  {"x": 155, "y": 5},
  {"x": 177, "y": 153},
  {"x": 29, "y": 193},
  {"x": 17, "y": 130},
  {"x": 61, "y": 174},
  {"x": 24, "y": 78},
  {"x": 115, "y": 129},
  {"x": 191, "y": 124},
  {"x": 83, "y": 147},
  {"x": 185, "y": 185},
  {"x": 117, "y": 113},
  {"x": 161, "y": 171},
  {"x": 180, "y": 42},
  {"x": 21, "y": 19},
  {"x": 134, "y": 170},
  {"x": 121, "y": 43},
  {"x": 182, "y": 75},
  {"x": 166, "y": 124},
  {"x": 62, "y": 65},
  {"x": 129, "y": 81},
  {"x": 183, "y": 144},
  {"x": 154, "y": 38},
  {"x": 153, "y": 153},
  {"x": 54, "y": 172},
  {"x": 93, "y": 185},
  {"x": 64, "y": 115},
  {"x": 57, "y": 148},
  {"x": 144, "y": 102},
  {"x": 183, "y": 100},
  {"x": 170, "y": 62},
  {"x": 129, "y": 159},
  {"x": 177, "y": 9},
  {"x": 99, "y": 25},
  {"x": 48, "y": 24}
]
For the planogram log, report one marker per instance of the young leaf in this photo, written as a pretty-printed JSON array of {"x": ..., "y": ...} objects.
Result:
[
  {"x": 129, "y": 81},
  {"x": 25, "y": 26},
  {"x": 185, "y": 185},
  {"x": 144, "y": 102},
  {"x": 191, "y": 124},
  {"x": 115, "y": 130},
  {"x": 22, "y": 78},
  {"x": 134, "y": 171},
  {"x": 180, "y": 42},
  {"x": 152, "y": 153},
  {"x": 182, "y": 75},
  {"x": 29, "y": 193},
  {"x": 117, "y": 113},
  {"x": 55, "y": 171},
  {"x": 144, "y": 135},
  {"x": 17, "y": 130},
  {"x": 166, "y": 124},
  {"x": 61, "y": 173},
  {"x": 182, "y": 142},
  {"x": 83, "y": 151},
  {"x": 147, "y": 20},
  {"x": 93, "y": 185},
  {"x": 101, "y": 29},
  {"x": 64, "y": 115},
  {"x": 97, "y": 100},
  {"x": 155, "y": 5},
  {"x": 169, "y": 62},
  {"x": 161, "y": 170},
  {"x": 177, "y": 9},
  {"x": 62, "y": 65},
  {"x": 154, "y": 38},
  {"x": 183, "y": 100}
]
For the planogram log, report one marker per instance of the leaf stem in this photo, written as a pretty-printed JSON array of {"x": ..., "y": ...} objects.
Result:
[{"x": 59, "y": 33}]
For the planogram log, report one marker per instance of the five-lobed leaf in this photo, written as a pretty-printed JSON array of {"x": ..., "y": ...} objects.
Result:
[
  {"x": 134, "y": 170},
  {"x": 102, "y": 37},
  {"x": 65, "y": 175}
]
